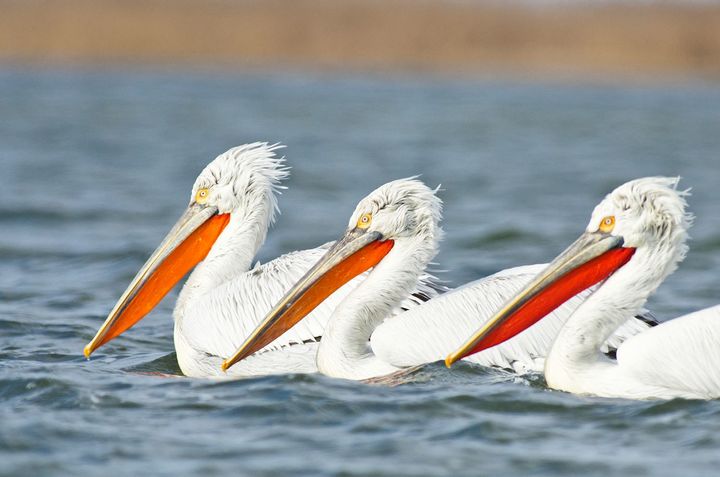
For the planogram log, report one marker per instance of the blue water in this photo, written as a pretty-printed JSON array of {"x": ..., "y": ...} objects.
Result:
[{"x": 95, "y": 166}]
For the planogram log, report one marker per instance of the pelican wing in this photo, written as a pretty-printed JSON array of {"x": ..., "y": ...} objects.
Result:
[
  {"x": 289, "y": 359},
  {"x": 430, "y": 332},
  {"x": 680, "y": 354},
  {"x": 219, "y": 322}
]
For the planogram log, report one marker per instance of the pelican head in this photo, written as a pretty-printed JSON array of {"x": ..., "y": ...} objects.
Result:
[
  {"x": 239, "y": 184},
  {"x": 400, "y": 209},
  {"x": 648, "y": 214},
  {"x": 643, "y": 223},
  {"x": 242, "y": 179},
  {"x": 397, "y": 214}
]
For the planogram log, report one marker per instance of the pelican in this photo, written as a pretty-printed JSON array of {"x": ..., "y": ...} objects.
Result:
[
  {"x": 232, "y": 204},
  {"x": 635, "y": 239},
  {"x": 395, "y": 231}
]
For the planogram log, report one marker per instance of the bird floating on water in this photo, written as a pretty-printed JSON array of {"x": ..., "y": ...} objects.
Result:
[
  {"x": 232, "y": 204},
  {"x": 395, "y": 231},
  {"x": 635, "y": 239}
]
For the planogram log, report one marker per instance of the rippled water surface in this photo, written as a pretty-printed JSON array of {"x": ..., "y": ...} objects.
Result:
[{"x": 95, "y": 167}]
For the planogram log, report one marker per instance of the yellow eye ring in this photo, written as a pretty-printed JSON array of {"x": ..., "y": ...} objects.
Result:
[
  {"x": 364, "y": 221},
  {"x": 201, "y": 196},
  {"x": 607, "y": 224}
]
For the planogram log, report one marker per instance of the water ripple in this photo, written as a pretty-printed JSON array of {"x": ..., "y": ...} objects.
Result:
[{"x": 522, "y": 165}]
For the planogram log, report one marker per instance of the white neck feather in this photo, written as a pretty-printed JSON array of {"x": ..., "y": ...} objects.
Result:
[
  {"x": 231, "y": 255},
  {"x": 619, "y": 298},
  {"x": 344, "y": 350}
]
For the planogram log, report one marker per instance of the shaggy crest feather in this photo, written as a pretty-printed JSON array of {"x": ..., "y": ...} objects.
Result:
[
  {"x": 411, "y": 208},
  {"x": 242, "y": 170},
  {"x": 650, "y": 212}
]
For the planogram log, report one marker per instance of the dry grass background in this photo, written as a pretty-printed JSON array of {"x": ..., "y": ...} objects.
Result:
[{"x": 592, "y": 41}]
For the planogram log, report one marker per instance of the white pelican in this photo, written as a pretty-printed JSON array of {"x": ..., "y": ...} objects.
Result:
[
  {"x": 396, "y": 230},
  {"x": 232, "y": 204},
  {"x": 635, "y": 239}
]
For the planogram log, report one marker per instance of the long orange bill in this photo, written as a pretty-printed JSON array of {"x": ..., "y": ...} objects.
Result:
[
  {"x": 350, "y": 256},
  {"x": 588, "y": 261},
  {"x": 185, "y": 246}
]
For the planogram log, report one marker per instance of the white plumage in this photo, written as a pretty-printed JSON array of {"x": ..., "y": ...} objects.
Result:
[
  {"x": 364, "y": 338},
  {"x": 681, "y": 355},
  {"x": 429, "y": 332},
  {"x": 677, "y": 359},
  {"x": 223, "y": 298},
  {"x": 212, "y": 326}
]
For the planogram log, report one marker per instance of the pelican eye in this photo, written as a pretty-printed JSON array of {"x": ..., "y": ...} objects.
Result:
[
  {"x": 201, "y": 196},
  {"x": 364, "y": 221},
  {"x": 607, "y": 224}
]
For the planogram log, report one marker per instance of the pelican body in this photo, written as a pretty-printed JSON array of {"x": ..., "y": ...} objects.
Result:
[
  {"x": 635, "y": 239},
  {"x": 395, "y": 232},
  {"x": 232, "y": 204}
]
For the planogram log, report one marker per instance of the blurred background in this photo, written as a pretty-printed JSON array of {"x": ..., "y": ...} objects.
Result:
[
  {"x": 527, "y": 113},
  {"x": 591, "y": 40}
]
